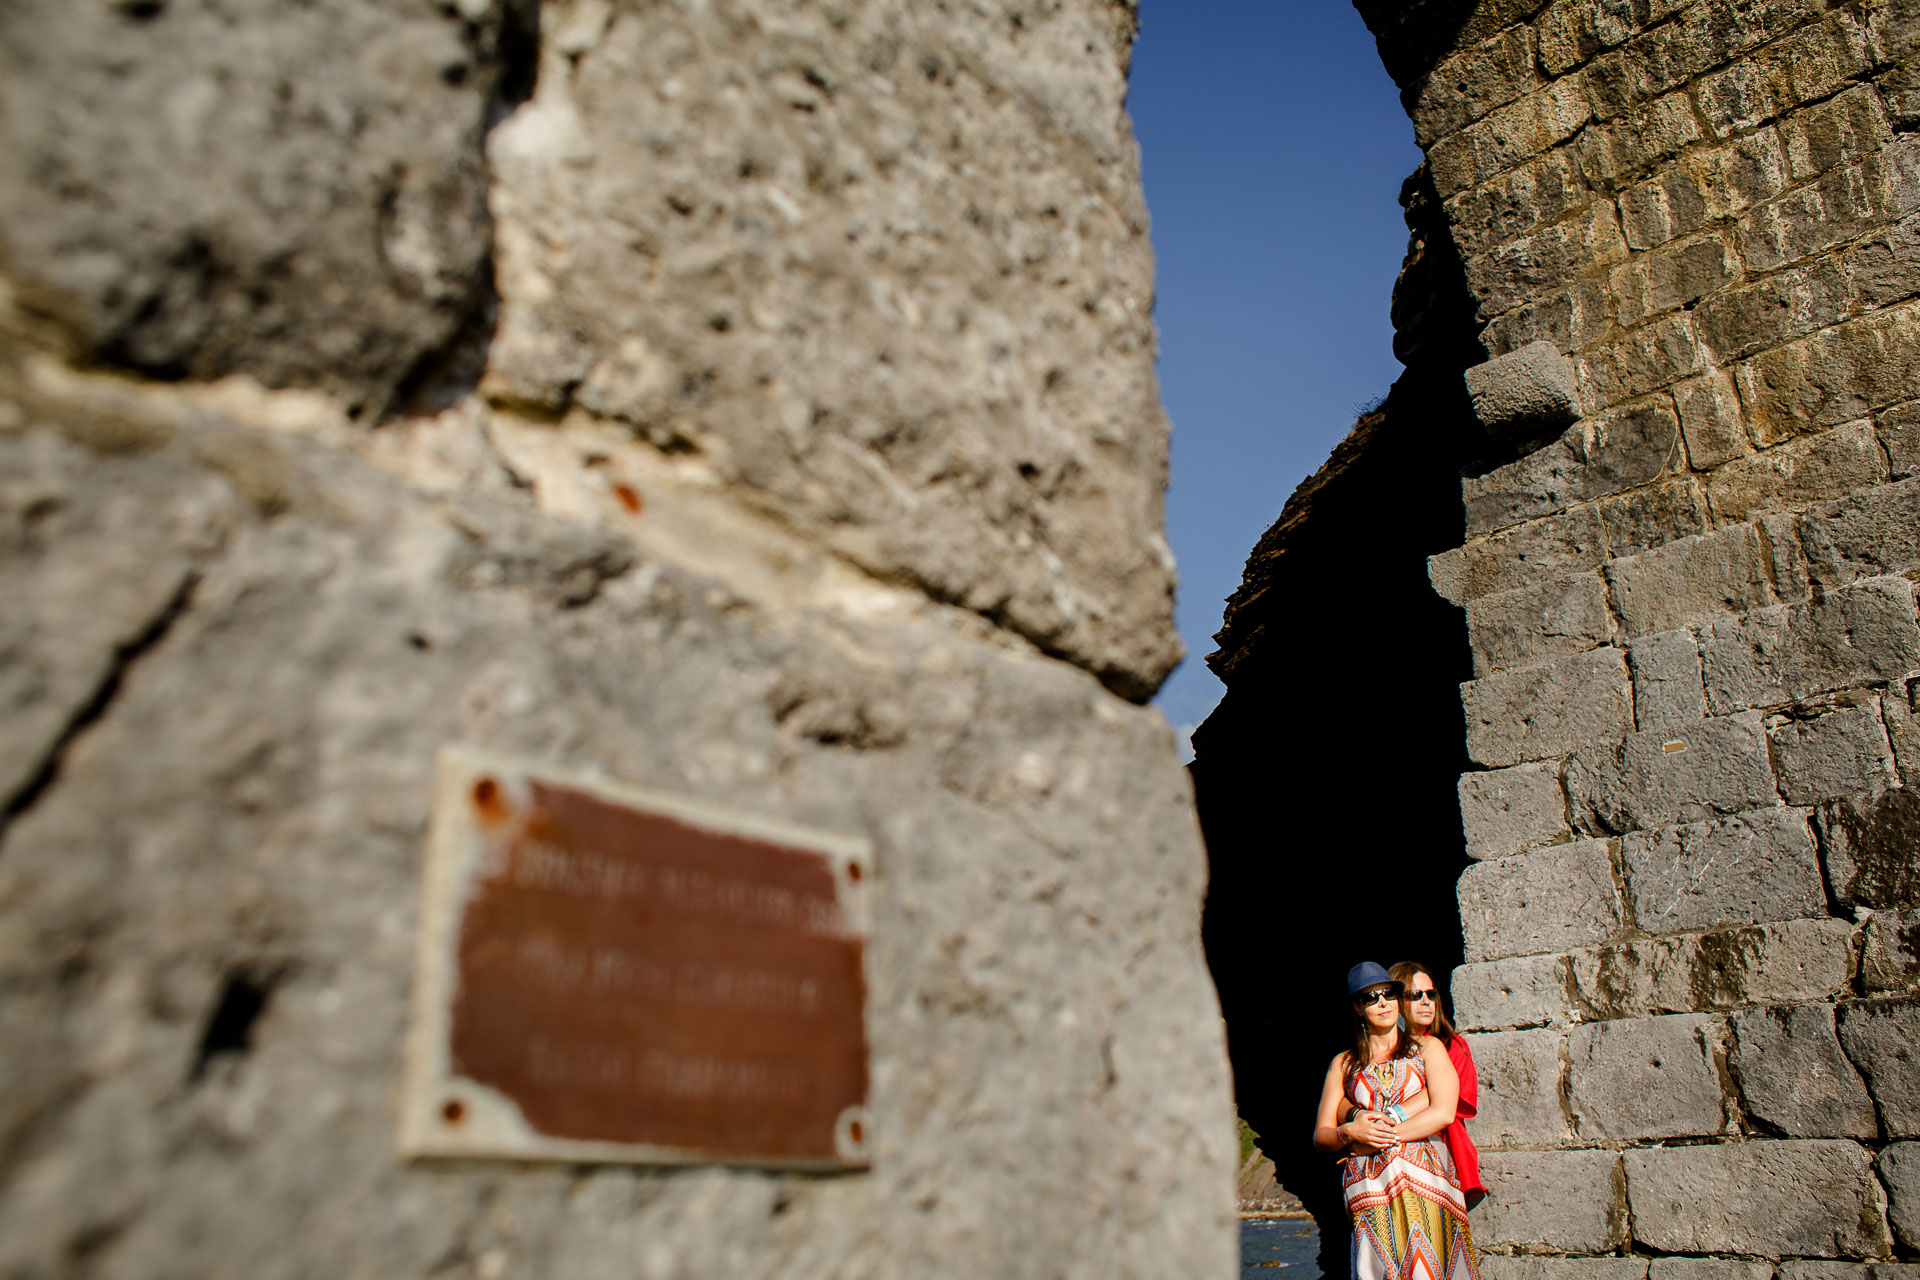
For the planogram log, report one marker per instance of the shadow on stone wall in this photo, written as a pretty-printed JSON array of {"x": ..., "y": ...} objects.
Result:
[{"x": 1326, "y": 777}]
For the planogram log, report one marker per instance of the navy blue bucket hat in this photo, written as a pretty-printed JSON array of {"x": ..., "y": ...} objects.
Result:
[{"x": 1368, "y": 974}]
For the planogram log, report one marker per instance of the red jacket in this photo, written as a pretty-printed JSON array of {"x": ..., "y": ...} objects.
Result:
[{"x": 1466, "y": 1158}]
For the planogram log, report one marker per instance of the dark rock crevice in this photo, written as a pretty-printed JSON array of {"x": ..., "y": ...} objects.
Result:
[
  {"x": 1326, "y": 777},
  {"x": 228, "y": 1032},
  {"x": 442, "y": 374}
]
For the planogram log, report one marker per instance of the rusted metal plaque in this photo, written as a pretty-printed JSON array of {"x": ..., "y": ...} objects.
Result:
[{"x": 607, "y": 973}]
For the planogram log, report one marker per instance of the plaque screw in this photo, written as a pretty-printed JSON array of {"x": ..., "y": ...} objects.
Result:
[
  {"x": 487, "y": 798},
  {"x": 454, "y": 1111},
  {"x": 854, "y": 873}
]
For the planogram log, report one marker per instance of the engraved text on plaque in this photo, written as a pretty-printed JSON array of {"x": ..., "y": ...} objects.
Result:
[{"x": 607, "y": 973}]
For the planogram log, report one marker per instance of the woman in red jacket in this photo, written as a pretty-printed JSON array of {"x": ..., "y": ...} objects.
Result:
[{"x": 1420, "y": 1006}]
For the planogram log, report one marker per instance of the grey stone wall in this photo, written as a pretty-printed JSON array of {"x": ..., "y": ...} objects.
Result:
[
  {"x": 749, "y": 401},
  {"x": 1691, "y": 976}
]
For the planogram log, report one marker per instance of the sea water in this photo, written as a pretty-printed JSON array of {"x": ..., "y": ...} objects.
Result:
[{"x": 1286, "y": 1247}]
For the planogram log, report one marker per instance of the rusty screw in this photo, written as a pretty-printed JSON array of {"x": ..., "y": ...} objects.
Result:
[
  {"x": 488, "y": 799},
  {"x": 454, "y": 1111}
]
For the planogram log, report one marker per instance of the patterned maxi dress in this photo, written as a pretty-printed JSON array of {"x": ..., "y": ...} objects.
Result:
[{"x": 1409, "y": 1215}]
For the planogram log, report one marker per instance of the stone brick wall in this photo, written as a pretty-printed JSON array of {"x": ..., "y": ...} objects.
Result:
[
  {"x": 746, "y": 400},
  {"x": 1689, "y": 926}
]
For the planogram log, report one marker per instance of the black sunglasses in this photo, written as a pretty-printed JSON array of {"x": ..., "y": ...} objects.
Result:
[
  {"x": 1419, "y": 996},
  {"x": 1379, "y": 995}
]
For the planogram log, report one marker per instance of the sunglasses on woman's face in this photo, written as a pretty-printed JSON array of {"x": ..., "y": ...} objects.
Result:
[
  {"x": 1379, "y": 995},
  {"x": 1421, "y": 997}
]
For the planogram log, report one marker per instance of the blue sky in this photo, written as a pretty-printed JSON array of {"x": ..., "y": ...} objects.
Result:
[{"x": 1274, "y": 146}]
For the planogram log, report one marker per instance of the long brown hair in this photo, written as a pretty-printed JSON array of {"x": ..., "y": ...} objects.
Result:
[
  {"x": 1361, "y": 1054},
  {"x": 1403, "y": 974}
]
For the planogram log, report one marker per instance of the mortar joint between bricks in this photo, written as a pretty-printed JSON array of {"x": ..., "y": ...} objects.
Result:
[
  {"x": 1620, "y": 1214},
  {"x": 1630, "y": 930},
  {"x": 1566, "y": 795},
  {"x": 1857, "y": 952},
  {"x": 1563, "y": 1086},
  {"x": 1716, "y": 1038},
  {"x": 1836, "y": 910},
  {"x": 1883, "y": 1130}
]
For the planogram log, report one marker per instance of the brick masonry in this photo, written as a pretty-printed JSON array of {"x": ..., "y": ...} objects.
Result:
[{"x": 1691, "y": 927}]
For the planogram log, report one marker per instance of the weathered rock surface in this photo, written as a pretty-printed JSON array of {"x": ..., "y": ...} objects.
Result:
[
  {"x": 1510, "y": 718},
  {"x": 1708, "y": 1269},
  {"x": 1551, "y": 1202},
  {"x": 1864, "y": 535},
  {"x": 1532, "y": 624},
  {"x": 1809, "y": 1269},
  {"x": 1840, "y": 753},
  {"x": 1690, "y": 580},
  {"x": 1520, "y": 557},
  {"x": 1525, "y": 391},
  {"x": 1863, "y": 634},
  {"x": 1522, "y": 991},
  {"x": 1641, "y": 1078},
  {"x": 1682, "y": 973},
  {"x": 886, "y": 272},
  {"x": 1759, "y": 964},
  {"x": 1746, "y": 869},
  {"x": 1890, "y": 951},
  {"x": 756, "y": 404},
  {"x": 1495, "y": 1266},
  {"x": 849, "y": 350},
  {"x": 1600, "y": 456},
  {"x": 1799, "y": 472},
  {"x": 1668, "y": 692},
  {"x": 1507, "y": 811},
  {"x": 272, "y": 843},
  {"x": 1900, "y": 1171},
  {"x": 1754, "y": 1196},
  {"x": 1520, "y": 1074},
  {"x": 1716, "y": 766},
  {"x": 1551, "y": 899},
  {"x": 1869, "y": 844},
  {"x": 297, "y": 193},
  {"x": 1903, "y": 731},
  {"x": 1880, "y": 1037},
  {"x": 88, "y": 583},
  {"x": 1794, "y": 1077}
]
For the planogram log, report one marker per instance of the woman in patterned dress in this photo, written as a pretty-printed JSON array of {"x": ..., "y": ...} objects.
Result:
[{"x": 1409, "y": 1215}]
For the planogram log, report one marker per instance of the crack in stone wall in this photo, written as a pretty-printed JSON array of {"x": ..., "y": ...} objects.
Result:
[{"x": 47, "y": 771}]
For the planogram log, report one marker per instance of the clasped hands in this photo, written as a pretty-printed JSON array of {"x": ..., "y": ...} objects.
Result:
[{"x": 1370, "y": 1132}]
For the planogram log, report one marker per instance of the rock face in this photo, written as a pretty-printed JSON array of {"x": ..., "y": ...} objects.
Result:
[
  {"x": 1690, "y": 614},
  {"x": 806, "y": 460},
  {"x": 296, "y": 192},
  {"x": 1532, "y": 389},
  {"x": 953, "y": 392}
]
